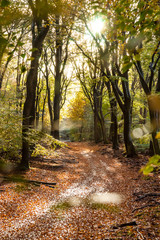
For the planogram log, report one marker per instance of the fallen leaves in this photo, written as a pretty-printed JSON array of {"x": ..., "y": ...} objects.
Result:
[{"x": 65, "y": 212}]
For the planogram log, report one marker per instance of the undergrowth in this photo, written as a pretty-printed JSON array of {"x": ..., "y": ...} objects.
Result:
[{"x": 44, "y": 144}]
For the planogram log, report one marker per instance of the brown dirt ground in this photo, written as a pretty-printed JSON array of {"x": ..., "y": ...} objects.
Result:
[{"x": 33, "y": 212}]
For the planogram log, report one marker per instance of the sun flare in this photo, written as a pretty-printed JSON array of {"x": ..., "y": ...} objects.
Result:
[{"x": 97, "y": 25}]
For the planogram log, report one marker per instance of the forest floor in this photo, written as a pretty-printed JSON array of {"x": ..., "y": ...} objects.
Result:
[{"x": 99, "y": 194}]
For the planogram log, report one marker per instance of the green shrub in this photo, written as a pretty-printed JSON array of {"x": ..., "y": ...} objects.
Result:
[
  {"x": 10, "y": 130},
  {"x": 44, "y": 144},
  {"x": 152, "y": 165},
  {"x": 11, "y": 134}
]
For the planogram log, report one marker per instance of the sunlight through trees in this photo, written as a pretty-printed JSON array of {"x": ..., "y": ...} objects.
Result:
[{"x": 108, "y": 51}]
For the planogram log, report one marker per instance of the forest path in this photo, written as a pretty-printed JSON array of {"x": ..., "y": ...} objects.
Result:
[{"x": 87, "y": 176}]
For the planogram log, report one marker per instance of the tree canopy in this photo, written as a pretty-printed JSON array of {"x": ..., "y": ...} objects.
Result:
[{"x": 106, "y": 53}]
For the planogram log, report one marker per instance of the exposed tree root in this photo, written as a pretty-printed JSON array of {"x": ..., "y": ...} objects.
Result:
[{"x": 145, "y": 206}]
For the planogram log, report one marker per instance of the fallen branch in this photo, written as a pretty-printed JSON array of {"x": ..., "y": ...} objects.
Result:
[
  {"x": 148, "y": 205},
  {"x": 39, "y": 182},
  {"x": 21, "y": 179},
  {"x": 155, "y": 194},
  {"x": 133, "y": 223}
]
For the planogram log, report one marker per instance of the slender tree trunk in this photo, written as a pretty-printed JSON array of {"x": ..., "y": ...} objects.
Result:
[
  {"x": 18, "y": 80},
  {"x": 50, "y": 108},
  {"x": 103, "y": 129},
  {"x": 37, "y": 103},
  {"x": 97, "y": 123},
  {"x": 97, "y": 128},
  {"x": 155, "y": 144},
  {"x": 130, "y": 149},
  {"x": 3, "y": 73},
  {"x": 37, "y": 112},
  {"x": 158, "y": 82},
  {"x": 57, "y": 89},
  {"x": 43, "y": 111},
  {"x": 114, "y": 123}
]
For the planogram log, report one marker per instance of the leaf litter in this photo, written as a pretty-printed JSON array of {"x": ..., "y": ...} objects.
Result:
[{"x": 94, "y": 198}]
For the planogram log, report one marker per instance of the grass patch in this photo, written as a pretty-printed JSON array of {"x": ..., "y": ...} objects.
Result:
[
  {"x": 109, "y": 208},
  {"x": 76, "y": 202},
  {"x": 22, "y": 187},
  {"x": 61, "y": 206}
]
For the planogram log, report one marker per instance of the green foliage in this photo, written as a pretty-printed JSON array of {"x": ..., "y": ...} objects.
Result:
[
  {"x": 152, "y": 165},
  {"x": 5, "y": 3},
  {"x": 126, "y": 67},
  {"x": 23, "y": 69},
  {"x": 3, "y": 41},
  {"x": 11, "y": 133},
  {"x": 39, "y": 151},
  {"x": 44, "y": 144},
  {"x": 34, "y": 49},
  {"x": 10, "y": 129},
  {"x": 61, "y": 206}
]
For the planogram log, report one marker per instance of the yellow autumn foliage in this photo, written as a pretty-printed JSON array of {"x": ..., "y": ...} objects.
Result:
[
  {"x": 77, "y": 108},
  {"x": 154, "y": 102}
]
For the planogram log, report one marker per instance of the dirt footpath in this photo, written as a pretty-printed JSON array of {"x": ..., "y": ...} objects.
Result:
[{"x": 99, "y": 195}]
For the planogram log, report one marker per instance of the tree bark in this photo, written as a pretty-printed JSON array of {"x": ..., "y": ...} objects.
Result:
[
  {"x": 29, "y": 105},
  {"x": 97, "y": 128},
  {"x": 102, "y": 122},
  {"x": 50, "y": 107},
  {"x": 147, "y": 87},
  {"x": 155, "y": 144},
  {"x": 114, "y": 124},
  {"x": 57, "y": 86},
  {"x": 130, "y": 149},
  {"x": 43, "y": 112},
  {"x": 126, "y": 109},
  {"x": 100, "y": 132},
  {"x": 19, "y": 92}
]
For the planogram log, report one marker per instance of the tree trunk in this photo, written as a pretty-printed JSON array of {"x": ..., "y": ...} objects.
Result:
[
  {"x": 114, "y": 127},
  {"x": 29, "y": 108},
  {"x": 50, "y": 108},
  {"x": 18, "y": 81},
  {"x": 114, "y": 124},
  {"x": 130, "y": 149},
  {"x": 29, "y": 105},
  {"x": 37, "y": 103},
  {"x": 97, "y": 128},
  {"x": 43, "y": 111},
  {"x": 147, "y": 87},
  {"x": 57, "y": 88},
  {"x": 97, "y": 120},
  {"x": 155, "y": 143},
  {"x": 103, "y": 129}
]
